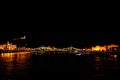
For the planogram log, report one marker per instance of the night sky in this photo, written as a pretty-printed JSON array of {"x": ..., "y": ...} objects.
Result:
[
  {"x": 58, "y": 27},
  {"x": 63, "y": 38}
]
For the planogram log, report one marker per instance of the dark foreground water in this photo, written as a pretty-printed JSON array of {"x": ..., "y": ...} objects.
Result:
[{"x": 23, "y": 66}]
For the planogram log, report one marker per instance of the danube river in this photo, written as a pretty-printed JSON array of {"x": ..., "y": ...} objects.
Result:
[{"x": 24, "y": 65}]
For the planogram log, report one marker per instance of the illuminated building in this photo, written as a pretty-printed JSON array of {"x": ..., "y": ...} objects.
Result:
[
  {"x": 104, "y": 48},
  {"x": 8, "y": 46}
]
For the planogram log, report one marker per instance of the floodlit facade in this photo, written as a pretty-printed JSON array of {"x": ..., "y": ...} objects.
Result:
[
  {"x": 104, "y": 48},
  {"x": 8, "y": 46}
]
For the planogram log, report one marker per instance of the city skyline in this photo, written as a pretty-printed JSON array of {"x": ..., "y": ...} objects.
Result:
[
  {"x": 62, "y": 39},
  {"x": 61, "y": 28}
]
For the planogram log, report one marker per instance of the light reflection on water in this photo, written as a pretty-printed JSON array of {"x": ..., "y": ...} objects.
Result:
[
  {"x": 12, "y": 64},
  {"x": 24, "y": 64},
  {"x": 98, "y": 62},
  {"x": 105, "y": 66},
  {"x": 105, "y": 62}
]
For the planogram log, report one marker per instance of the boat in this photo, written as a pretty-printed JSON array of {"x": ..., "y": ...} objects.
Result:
[{"x": 79, "y": 54}]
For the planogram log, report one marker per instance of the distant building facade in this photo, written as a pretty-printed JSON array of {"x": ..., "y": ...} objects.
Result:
[
  {"x": 104, "y": 48},
  {"x": 8, "y": 46}
]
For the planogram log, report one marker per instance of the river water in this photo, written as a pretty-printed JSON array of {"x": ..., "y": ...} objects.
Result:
[{"x": 25, "y": 65}]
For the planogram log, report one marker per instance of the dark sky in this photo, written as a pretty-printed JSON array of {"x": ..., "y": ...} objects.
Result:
[
  {"x": 61, "y": 27},
  {"x": 63, "y": 38}
]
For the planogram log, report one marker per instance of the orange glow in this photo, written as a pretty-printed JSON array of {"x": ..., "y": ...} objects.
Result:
[
  {"x": 103, "y": 48},
  {"x": 14, "y": 59},
  {"x": 12, "y": 55},
  {"x": 7, "y": 55},
  {"x": 115, "y": 56},
  {"x": 99, "y": 48}
]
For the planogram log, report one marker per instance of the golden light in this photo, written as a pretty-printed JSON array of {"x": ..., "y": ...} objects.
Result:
[
  {"x": 115, "y": 56},
  {"x": 97, "y": 48}
]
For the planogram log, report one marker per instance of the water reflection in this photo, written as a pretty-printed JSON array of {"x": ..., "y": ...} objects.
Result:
[
  {"x": 98, "y": 62},
  {"x": 106, "y": 62},
  {"x": 22, "y": 64},
  {"x": 13, "y": 63}
]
